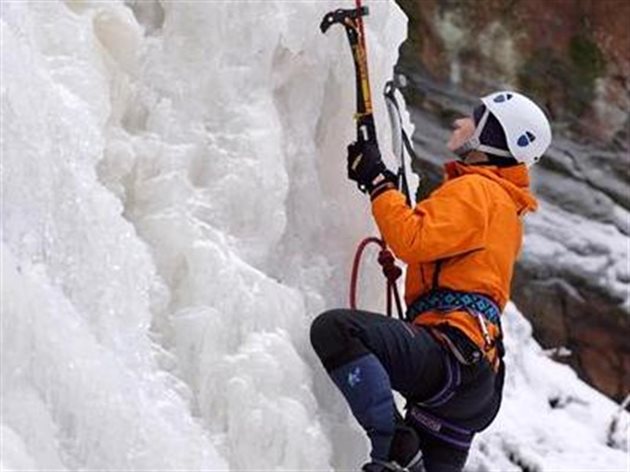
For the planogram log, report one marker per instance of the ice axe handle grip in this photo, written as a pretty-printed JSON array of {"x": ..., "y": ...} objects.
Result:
[{"x": 366, "y": 131}]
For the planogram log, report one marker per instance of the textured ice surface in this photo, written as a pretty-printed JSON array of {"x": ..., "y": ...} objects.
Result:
[
  {"x": 174, "y": 204},
  {"x": 174, "y": 213}
]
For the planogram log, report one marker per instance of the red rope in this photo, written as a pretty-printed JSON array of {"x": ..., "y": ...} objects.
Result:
[
  {"x": 391, "y": 271},
  {"x": 360, "y": 22}
]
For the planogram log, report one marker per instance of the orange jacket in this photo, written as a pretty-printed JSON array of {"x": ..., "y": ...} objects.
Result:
[{"x": 470, "y": 228}]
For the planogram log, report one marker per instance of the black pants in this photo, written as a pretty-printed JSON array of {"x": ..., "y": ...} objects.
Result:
[{"x": 417, "y": 367}]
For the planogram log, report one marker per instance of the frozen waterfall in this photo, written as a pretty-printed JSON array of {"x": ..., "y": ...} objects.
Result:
[{"x": 174, "y": 213}]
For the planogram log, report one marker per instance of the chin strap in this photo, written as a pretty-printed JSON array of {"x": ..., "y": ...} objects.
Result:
[{"x": 474, "y": 144}]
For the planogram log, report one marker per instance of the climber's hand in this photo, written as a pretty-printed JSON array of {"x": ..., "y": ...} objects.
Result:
[{"x": 367, "y": 169}]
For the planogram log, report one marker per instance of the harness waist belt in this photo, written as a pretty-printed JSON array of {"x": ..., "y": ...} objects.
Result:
[{"x": 449, "y": 300}]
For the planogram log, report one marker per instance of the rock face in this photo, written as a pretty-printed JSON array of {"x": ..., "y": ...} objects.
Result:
[
  {"x": 573, "y": 279},
  {"x": 570, "y": 54}
]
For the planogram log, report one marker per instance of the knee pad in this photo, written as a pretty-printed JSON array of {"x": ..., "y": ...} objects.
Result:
[
  {"x": 322, "y": 328},
  {"x": 334, "y": 340}
]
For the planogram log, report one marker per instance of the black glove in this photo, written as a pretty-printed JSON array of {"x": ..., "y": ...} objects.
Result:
[{"x": 366, "y": 168}]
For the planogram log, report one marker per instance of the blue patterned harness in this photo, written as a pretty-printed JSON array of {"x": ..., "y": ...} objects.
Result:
[{"x": 445, "y": 300}]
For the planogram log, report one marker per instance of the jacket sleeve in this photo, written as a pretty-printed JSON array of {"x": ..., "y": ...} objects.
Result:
[{"x": 453, "y": 221}]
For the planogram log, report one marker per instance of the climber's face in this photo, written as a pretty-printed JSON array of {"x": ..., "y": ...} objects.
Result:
[{"x": 463, "y": 128}]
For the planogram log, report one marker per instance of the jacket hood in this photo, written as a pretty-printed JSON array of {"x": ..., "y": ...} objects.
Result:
[{"x": 514, "y": 179}]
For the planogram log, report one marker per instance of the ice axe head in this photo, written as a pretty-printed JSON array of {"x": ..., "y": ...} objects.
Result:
[{"x": 341, "y": 16}]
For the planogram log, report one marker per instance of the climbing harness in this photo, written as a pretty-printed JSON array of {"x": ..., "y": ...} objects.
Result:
[
  {"x": 352, "y": 20},
  {"x": 449, "y": 300},
  {"x": 448, "y": 432},
  {"x": 427, "y": 415},
  {"x": 448, "y": 390},
  {"x": 481, "y": 307}
]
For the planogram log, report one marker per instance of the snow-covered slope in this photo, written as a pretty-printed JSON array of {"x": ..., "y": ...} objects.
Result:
[
  {"x": 550, "y": 420},
  {"x": 174, "y": 213}
]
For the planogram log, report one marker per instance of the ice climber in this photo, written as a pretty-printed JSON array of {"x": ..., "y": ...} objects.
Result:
[{"x": 460, "y": 245}]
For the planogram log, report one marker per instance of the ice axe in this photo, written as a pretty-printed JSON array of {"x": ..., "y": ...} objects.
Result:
[{"x": 352, "y": 20}]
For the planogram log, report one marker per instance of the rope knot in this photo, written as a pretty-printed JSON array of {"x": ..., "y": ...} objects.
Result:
[{"x": 390, "y": 269}]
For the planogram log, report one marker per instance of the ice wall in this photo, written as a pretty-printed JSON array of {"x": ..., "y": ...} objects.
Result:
[
  {"x": 175, "y": 212},
  {"x": 80, "y": 384}
]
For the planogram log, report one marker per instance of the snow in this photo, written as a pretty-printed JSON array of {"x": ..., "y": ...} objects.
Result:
[
  {"x": 175, "y": 212},
  {"x": 598, "y": 252},
  {"x": 550, "y": 420}
]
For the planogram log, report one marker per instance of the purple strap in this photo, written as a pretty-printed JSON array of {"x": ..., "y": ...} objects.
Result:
[
  {"x": 453, "y": 379},
  {"x": 447, "y": 432}
]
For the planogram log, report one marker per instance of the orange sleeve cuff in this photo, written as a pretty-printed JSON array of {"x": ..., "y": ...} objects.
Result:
[{"x": 382, "y": 203}]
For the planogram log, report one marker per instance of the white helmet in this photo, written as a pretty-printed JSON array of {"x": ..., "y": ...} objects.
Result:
[{"x": 526, "y": 127}]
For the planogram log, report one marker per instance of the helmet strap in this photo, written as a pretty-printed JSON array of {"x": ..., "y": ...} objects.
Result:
[
  {"x": 474, "y": 144},
  {"x": 494, "y": 151}
]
